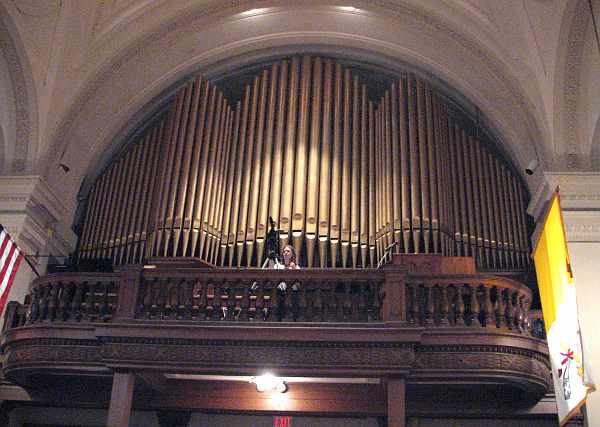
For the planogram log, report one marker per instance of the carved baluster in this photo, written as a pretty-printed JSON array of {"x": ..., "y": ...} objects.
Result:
[
  {"x": 377, "y": 292},
  {"x": 189, "y": 298},
  {"x": 443, "y": 305},
  {"x": 53, "y": 301},
  {"x": 414, "y": 306},
  {"x": 526, "y": 322},
  {"x": 90, "y": 302},
  {"x": 253, "y": 303},
  {"x": 242, "y": 297},
  {"x": 105, "y": 313},
  {"x": 201, "y": 293},
  {"x": 265, "y": 301},
  {"x": 475, "y": 306},
  {"x": 173, "y": 299},
  {"x": 509, "y": 312},
  {"x": 164, "y": 300},
  {"x": 231, "y": 301},
  {"x": 160, "y": 299},
  {"x": 459, "y": 307},
  {"x": 347, "y": 303},
  {"x": 302, "y": 300},
  {"x": 196, "y": 295},
  {"x": 277, "y": 303},
  {"x": 355, "y": 301},
  {"x": 338, "y": 297},
  {"x": 182, "y": 299},
  {"x": 326, "y": 302},
  {"x": 500, "y": 308},
  {"x": 488, "y": 315},
  {"x": 287, "y": 303},
  {"x": 34, "y": 308},
  {"x": 61, "y": 306},
  {"x": 318, "y": 303},
  {"x": 518, "y": 313},
  {"x": 429, "y": 305},
  {"x": 151, "y": 299},
  {"x": 44, "y": 294},
  {"x": 310, "y": 292},
  {"x": 329, "y": 302},
  {"x": 362, "y": 301},
  {"x": 114, "y": 297},
  {"x": 217, "y": 312}
]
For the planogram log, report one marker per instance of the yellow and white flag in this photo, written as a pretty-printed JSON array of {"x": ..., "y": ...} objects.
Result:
[{"x": 571, "y": 376}]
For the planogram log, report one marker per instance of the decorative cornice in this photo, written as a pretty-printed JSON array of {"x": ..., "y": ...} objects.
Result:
[
  {"x": 39, "y": 211},
  {"x": 578, "y": 190}
]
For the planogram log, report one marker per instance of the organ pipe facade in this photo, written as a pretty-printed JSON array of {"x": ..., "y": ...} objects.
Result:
[{"x": 345, "y": 175}]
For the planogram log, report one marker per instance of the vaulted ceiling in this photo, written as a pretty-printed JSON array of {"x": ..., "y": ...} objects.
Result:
[{"x": 80, "y": 75}]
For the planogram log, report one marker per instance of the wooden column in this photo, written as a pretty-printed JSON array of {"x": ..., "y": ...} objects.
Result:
[
  {"x": 396, "y": 402},
  {"x": 120, "y": 399}
]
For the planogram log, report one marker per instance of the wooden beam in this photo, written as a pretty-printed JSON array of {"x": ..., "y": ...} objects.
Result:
[{"x": 120, "y": 399}]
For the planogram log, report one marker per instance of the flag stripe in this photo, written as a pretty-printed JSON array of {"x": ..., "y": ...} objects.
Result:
[
  {"x": 9, "y": 266},
  {"x": 10, "y": 260},
  {"x": 13, "y": 273}
]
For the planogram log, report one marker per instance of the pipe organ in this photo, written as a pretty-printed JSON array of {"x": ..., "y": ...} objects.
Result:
[{"x": 345, "y": 175}]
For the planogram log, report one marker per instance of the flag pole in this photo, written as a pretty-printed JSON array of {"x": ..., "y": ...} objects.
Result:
[{"x": 26, "y": 258}]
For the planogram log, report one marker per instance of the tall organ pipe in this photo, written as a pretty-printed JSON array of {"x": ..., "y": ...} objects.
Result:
[{"x": 344, "y": 170}]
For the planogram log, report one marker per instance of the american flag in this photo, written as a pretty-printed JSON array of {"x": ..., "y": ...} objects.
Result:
[{"x": 10, "y": 259}]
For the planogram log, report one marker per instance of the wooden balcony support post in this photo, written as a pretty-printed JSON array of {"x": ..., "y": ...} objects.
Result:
[
  {"x": 129, "y": 284},
  {"x": 121, "y": 397},
  {"x": 396, "y": 402},
  {"x": 394, "y": 301}
]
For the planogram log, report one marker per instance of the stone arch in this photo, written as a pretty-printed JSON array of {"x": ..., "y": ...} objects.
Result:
[
  {"x": 23, "y": 149},
  {"x": 567, "y": 138}
]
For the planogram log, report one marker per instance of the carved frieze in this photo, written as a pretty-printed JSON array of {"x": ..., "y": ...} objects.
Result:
[{"x": 288, "y": 354}]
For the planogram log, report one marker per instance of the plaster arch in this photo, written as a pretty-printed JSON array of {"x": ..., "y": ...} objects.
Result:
[
  {"x": 568, "y": 143},
  {"x": 126, "y": 87},
  {"x": 21, "y": 147}
]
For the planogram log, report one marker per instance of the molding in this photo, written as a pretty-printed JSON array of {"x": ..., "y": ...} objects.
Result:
[
  {"x": 581, "y": 226},
  {"x": 578, "y": 190},
  {"x": 19, "y": 163},
  {"x": 35, "y": 212},
  {"x": 571, "y": 156}
]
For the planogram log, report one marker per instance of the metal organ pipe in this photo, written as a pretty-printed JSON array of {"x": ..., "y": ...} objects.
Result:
[{"x": 344, "y": 169}]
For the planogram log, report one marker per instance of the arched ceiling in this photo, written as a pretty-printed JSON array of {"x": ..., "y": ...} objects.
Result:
[{"x": 109, "y": 64}]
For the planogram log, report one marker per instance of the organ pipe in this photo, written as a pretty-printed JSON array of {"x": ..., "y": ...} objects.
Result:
[{"x": 343, "y": 169}]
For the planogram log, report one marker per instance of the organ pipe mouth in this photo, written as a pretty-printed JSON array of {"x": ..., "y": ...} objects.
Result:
[{"x": 310, "y": 145}]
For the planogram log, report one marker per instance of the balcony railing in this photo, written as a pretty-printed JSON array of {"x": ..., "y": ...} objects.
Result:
[{"x": 253, "y": 295}]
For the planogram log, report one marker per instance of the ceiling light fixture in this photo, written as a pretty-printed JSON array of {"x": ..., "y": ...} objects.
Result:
[{"x": 269, "y": 382}]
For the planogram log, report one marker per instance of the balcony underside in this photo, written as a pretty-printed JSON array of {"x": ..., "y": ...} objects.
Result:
[{"x": 458, "y": 341}]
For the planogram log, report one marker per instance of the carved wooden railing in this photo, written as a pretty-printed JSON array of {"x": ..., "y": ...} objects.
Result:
[
  {"x": 263, "y": 295},
  {"x": 68, "y": 297},
  {"x": 310, "y": 295},
  {"x": 473, "y": 300}
]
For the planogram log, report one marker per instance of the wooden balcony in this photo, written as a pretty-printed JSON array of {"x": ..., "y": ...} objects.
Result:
[{"x": 438, "y": 327}]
